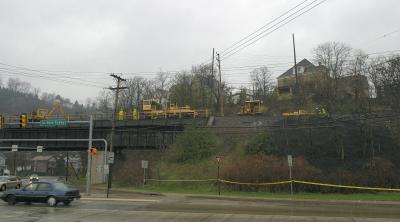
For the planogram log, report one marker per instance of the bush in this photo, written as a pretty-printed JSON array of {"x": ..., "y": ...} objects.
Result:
[
  {"x": 267, "y": 168},
  {"x": 195, "y": 144},
  {"x": 260, "y": 144}
]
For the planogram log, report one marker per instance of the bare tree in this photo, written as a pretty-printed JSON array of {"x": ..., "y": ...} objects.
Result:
[
  {"x": 262, "y": 82},
  {"x": 385, "y": 75},
  {"x": 357, "y": 68},
  {"x": 181, "y": 90},
  {"x": 161, "y": 86},
  {"x": 333, "y": 56},
  {"x": 104, "y": 101},
  {"x": 17, "y": 85}
]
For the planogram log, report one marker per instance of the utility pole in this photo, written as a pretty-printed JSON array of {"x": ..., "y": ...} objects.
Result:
[
  {"x": 295, "y": 65},
  {"x": 117, "y": 90},
  {"x": 221, "y": 101},
  {"x": 66, "y": 168},
  {"x": 296, "y": 87},
  {"x": 212, "y": 78}
]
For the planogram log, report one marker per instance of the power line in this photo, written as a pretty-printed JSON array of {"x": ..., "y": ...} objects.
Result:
[
  {"x": 8, "y": 73},
  {"x": 259, "y": 29},
  {"x": 250, "y": 42}
]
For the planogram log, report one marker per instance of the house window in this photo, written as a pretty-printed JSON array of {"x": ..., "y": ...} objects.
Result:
[{"x": 300, "y": 70}]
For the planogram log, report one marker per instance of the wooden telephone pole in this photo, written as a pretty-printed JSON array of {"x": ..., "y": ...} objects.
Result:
[
  {"x": 221, "y": 98},
  {"x": 116, "y": 90}
]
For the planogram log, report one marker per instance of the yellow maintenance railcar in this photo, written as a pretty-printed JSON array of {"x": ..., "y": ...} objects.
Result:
[
  {"x": 252, "y": 107},
  {"x": 152, "y": 109}
]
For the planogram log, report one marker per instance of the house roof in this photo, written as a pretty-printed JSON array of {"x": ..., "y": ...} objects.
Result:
[
  {"x": 42, "y": 158},
  {"x": 308, "y": 67}
]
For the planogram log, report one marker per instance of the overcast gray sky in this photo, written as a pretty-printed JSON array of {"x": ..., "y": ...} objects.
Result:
[{"x": 98, "y": 37}]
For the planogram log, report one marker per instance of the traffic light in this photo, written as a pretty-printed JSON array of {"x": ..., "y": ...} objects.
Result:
[
  {"x": 93, "y": 151},
  {"x": 23, "y": 119},
  {"x": 1, "y": 121}
]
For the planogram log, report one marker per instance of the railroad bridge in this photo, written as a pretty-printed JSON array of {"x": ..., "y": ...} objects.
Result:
[{"x": 129, "y": 134}]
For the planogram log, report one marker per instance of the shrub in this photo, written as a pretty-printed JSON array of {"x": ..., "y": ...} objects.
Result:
[
  {"x": 267, "y": 168},
  {"x": 260, "y": 144},
  {"x": 195, "y": 144}
]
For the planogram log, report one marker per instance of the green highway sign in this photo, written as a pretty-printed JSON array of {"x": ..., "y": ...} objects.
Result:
[{"x": 53, "y": 122}]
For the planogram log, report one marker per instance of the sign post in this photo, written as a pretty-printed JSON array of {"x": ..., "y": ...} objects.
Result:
[
  {"x": 145, "y": 165},
  {"x": 14, "y": 149},
  {"x": 110, "y": 158},
  {"x": 218, "y": 159},
  {"x": 290, "y": 164}
]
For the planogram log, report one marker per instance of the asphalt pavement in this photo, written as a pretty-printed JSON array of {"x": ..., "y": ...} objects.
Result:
[{"x": 174, "y": 207}]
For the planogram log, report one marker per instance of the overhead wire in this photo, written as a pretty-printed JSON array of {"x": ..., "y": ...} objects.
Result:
[
  {"x": 262, "y": 35},
  {"x": 259, "y": 29}
]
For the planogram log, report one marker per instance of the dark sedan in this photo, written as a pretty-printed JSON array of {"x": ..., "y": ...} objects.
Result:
[{"x": 50, "y": 192}]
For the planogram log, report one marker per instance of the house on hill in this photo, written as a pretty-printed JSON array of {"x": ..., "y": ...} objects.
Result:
[
  {"x": 306, "y": 71},
  {"x": 355, "y": 86}
]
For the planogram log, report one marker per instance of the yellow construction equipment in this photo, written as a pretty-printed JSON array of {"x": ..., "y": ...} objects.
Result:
[
  {"x": 317, "y": 112},
  {"x": 43, "y": 114},
  {"x": 152, "y": 109},
  {"x": 176, "y": 111},
  {"x": 252, "y": 107},
  {"x": 1, "y": 121}
]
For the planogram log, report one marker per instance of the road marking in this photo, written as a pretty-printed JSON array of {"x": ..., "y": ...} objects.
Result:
[{"x": 118, "y": 199}]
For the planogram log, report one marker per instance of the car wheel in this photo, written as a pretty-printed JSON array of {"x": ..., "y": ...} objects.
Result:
[
  {"x": 3, "y": 188},
  {"x": 67, "y": 203},
  {"x": 11, "y": 200},
  {"x": 51, "y": 201}
]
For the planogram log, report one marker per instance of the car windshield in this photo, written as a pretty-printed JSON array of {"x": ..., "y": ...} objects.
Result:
[
  {"x": 60, "y": 186},
  {"x": 3, "y": 178}
]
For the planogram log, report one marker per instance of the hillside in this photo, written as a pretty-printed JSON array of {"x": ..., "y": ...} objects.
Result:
[{"x": 15, "y": 102}]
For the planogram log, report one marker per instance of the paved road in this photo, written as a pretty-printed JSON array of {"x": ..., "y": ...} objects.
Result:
[{"x": 181, "y": 208}]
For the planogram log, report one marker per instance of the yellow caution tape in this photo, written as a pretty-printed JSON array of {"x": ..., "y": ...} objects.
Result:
[
  {"x": 281, "y": 182},
  {"x": 345, "y": 186},
  {"x": 222, "y": 181},
  {"x": 255, "y": 184}
]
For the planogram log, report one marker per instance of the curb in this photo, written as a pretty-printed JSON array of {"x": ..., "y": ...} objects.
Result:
[
  {"x": 117, "y": 199},
  {"x": 131, "y": 191},
  {"x": 288, "y": 200}
]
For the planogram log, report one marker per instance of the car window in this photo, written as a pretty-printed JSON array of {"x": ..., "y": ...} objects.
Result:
[
  {"x": 31, "y": 187},
  {"x": 12, "y": 179},
  {"x": 3, "y": 178},
  {"x": 60, "y": 186},
  {"x": 44, "y": 187}
]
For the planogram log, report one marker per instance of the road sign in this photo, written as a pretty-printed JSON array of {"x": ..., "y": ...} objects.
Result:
[
  {"x": 53, "y": 122},
  {"x": 39, "y": 149},
  {"x": 106, "y": 169},
  {"x": 290, "y": 160},
  {"x": 99, "y": 168},
  {"x": 110, "y": 157},
  {"x": 145, "y": 164},
  {"x": 14, "y": 148}
]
